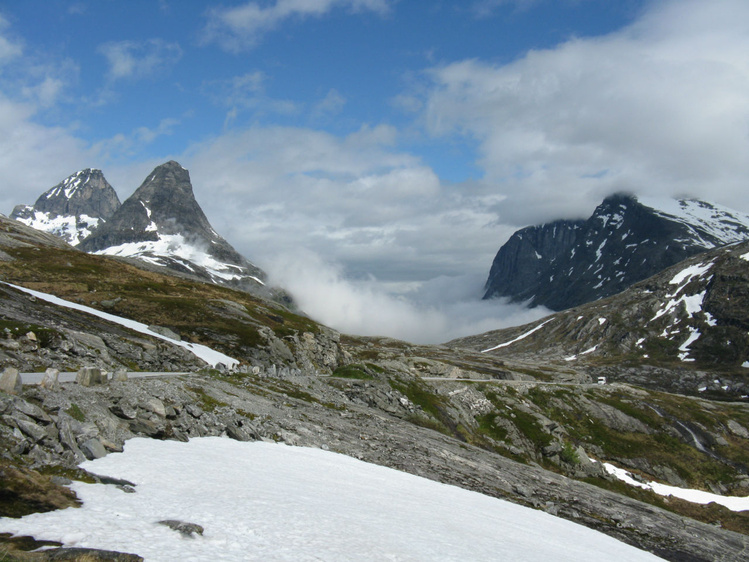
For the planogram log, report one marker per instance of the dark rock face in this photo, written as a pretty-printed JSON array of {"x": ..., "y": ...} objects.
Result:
[
  {"x": 84, "y": 193},
  {"x": 164, "y": 202},
  {"x": 164, "y": 209},
  {"x": 567, "y": 263},
  {"x": 73, "y": 207}
]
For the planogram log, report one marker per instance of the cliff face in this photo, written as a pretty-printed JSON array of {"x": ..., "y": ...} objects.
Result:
[{"x": 567, "y": 263}]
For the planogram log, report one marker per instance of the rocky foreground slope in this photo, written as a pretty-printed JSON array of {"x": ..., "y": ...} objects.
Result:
[{"x": 517, "y": 427}]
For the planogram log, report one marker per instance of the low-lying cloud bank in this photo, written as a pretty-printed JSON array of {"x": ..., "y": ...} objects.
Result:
[{"x": 437, "y": 311}]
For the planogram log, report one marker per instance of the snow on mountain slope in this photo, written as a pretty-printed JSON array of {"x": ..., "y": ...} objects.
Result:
[
  {"x": 266, "y": 501},
  {"x": 565, "y": 263},
  {"x": 73, "y": 208},
  {"x": 70, "y": 228},
  {"x": 174, "y": 250},
  {"x": 721, "y": 224},
  {"x": 210, "y": 356}
]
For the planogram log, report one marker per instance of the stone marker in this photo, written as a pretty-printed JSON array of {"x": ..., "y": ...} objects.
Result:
[
  {"x": 120, "y": 375},
  {"x": 10, "y": 381},
  {"x": 50, "y": 380},
  {"x": 89, "y": 376}
]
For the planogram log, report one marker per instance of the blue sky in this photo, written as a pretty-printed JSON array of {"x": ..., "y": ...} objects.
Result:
[{"x": 395, "y": 143}]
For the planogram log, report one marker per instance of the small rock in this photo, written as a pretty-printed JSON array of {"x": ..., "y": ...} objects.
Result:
[
  {"x": 194, "y": 411},
  {"x": 737, "y": 429},
  {"x": 186, "y": 529},
  {"x": 10, "y": 381},
  {"x": 124, "y": 411}
]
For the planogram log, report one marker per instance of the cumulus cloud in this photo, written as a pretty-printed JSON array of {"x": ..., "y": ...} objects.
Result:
[
  {"x": 241, "y": 27},
  {"x": 658, "y": 107},
  {"x": 438, "y": 311},
  {"x": 139, "y": 59},
  {"x": 356, "y": 200},
  {"x": 24, "y": 145}
]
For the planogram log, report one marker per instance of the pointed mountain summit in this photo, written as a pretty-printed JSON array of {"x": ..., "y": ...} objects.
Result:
[
  {"x": 163, "y": 225},
  {"x": 73, "y": 208},
  {"x": 627, "y": 239}
]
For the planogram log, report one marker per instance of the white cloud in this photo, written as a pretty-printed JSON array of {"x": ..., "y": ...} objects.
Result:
[
  {"x": 330, "y": 105},
  {"x": 246, "y": 93},
  {"x": 33, "y": 158},
  {"x": 241, "y": 27},
  {"x": 9, "y": 49},
  {"x": 435, "y": 312},
  {"x": 139, "y": 59},
  {"x": 484, "y": 8},
  {"x": 658, "y": 107},
  {"x": 356, "y": 200}
]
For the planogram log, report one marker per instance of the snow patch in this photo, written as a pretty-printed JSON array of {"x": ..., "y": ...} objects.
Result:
[
  {"x": 724, "y": 224},
  {"x": 272, "y": 502},
  {"x": 520, "y": 337},
  {"x": 202, "y": 352},
  {"x": 734, "y": 503}
]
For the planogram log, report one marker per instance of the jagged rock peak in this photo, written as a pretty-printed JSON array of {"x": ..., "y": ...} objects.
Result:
[
  {"x": 86, "y": 192},
  {"x": 627, "y": 239},
  {"x": 72, "y": 208},
  {"x": 162, "y": 224}
]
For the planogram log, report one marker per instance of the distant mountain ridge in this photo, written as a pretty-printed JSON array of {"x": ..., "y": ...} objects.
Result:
[
  {"x": 73, "y": 208},
  {"x": 161, "y": 225},
  {"x": 566, "y": 263}
]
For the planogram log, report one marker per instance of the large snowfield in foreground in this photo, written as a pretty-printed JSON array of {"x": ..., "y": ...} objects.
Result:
[{"x": 265, "y": 501}]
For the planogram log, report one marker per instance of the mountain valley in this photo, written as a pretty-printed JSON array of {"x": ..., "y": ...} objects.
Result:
[{"x": 522, "y": 424}]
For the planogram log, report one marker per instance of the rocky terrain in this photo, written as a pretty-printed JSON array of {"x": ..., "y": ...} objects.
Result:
[
  {"x": 683, "y": 330},
  {"x": 567, "y": 263},
  {"x": 520, "y": 425}
]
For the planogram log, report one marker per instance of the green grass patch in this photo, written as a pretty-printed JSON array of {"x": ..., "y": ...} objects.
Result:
[
  {"x": 75, "y": 412},
  {"x": 207, "y": 402},
  {"x": 352, "y": 372}
]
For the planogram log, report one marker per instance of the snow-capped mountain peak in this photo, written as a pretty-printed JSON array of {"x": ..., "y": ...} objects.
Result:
[{"x": 73, "y": 208}]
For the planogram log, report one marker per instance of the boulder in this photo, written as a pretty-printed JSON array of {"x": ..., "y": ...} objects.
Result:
[
  {"x": 93, "y": 449},
  {"x": 10, "y": 381},
  {"x": 32, "y": 430},
  {"x": 31, "y": 410},
  {"x": 154, "y": 405}
]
